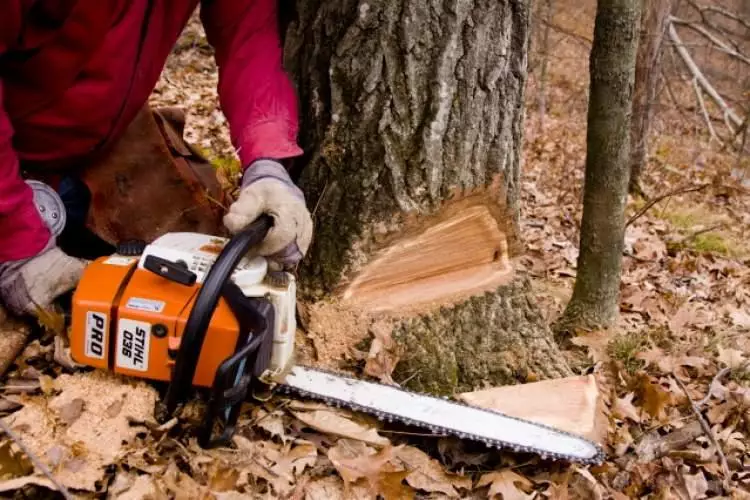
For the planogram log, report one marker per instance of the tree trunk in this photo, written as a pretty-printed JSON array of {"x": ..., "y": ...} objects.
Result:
[
  {"x": 595, "y": 299},
  {"x": 653, "y": 26},
  {"x": 412, "y": 116}
]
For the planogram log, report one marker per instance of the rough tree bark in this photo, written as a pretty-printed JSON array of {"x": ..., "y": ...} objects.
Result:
[
  {"x": 595, "y": 299},
  {"x": 654, "y": 17},
  {"x": 412, "y": 114}
]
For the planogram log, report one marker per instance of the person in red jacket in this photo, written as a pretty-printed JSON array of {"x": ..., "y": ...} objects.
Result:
[{"x": 73, "y": 76}]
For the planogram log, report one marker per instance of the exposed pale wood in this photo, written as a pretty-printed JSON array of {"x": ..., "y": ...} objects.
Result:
[
  {"x": 572, "y": 404},
  {"x": 458, "y": 257},
  {"x": 13, "y": 336}
]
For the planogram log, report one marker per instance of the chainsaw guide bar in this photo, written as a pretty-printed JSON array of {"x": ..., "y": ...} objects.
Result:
[{"x": 392, "y": 403}]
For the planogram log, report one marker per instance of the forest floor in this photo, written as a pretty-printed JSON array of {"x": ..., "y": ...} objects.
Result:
[{"x": 683, "y": 337}]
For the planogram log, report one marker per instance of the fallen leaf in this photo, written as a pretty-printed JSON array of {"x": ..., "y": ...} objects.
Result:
[
  {"x": 337, "y": 422},
  {"x": 228, "y": 495},
  {"x": 428, "y": 474},
  {"x": 182, "y": 485},
  {"x": 623, "y": 408},
  {"x": 717, "y": 414},
  {"x": 332, "y": 488},
  {"x": 70, "y": 412},
  {"x": 47, "y": 384},
  {"x": 590, "y": 486},
  {"x": 55, "y": 455},
  {"x": 689, "y": 313},
  {"x": 622, "y": 439},
  {"x": 649, "y": 247},
  {"x": 272, "y": 422},
  {"x": 384, "y": 353},
  {"x": 296, "y": 460},
  {"x": 740, "y": 318},
  {"x": 558, "y": 486},
  {"x": 222, "y": 478},
  {"x": 454, "y": 451},
  {"x": 138, "y": 487},
  {"x": 51, "y": 320},
  {"x": 13, "y": 463},
  {"x": 7, "y": 404},
  {"x": 596, "y": 342},
  {"x": 506, "y": 483},
  {"x": 114, "y": 409},
  {"x": 653, "y": 397},
  {"x": 354, "y": 460},
  {"x": 696, "y": 485},
  {"x": 62, "y": 354},
  {"x": 669, "y": 364},
  {"x": 731, "y": 358},
  {"x": 19, "y": 482}
]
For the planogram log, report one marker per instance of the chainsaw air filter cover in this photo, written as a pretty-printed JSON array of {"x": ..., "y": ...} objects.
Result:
[{"x": 130, "y": 312}]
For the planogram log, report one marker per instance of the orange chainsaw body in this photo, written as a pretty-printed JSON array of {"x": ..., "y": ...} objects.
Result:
[{"x": 130, "y": 321}]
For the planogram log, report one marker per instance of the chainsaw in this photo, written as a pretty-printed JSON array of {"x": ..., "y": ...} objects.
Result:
[{"x": 197, "y": 311}]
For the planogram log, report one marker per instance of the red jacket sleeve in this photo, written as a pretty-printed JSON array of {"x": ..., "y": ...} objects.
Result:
[
  {"x": 22, "y": 230},
  {"x": 255, "y": 93}
]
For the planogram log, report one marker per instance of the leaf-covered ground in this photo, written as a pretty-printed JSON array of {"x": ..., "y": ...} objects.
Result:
[{"x": 674, "y": 371}]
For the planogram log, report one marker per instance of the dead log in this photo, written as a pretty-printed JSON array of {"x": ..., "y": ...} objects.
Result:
[{"x": 412, "y": 118}]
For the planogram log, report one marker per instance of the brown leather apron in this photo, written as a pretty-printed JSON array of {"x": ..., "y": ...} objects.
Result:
[{"x": 151, "y": 181}]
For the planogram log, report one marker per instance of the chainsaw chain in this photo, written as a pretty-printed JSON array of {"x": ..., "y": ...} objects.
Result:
[{"x": 436, "y": 429}]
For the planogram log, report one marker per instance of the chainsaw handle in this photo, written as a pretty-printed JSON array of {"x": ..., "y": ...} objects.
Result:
[{"x": 205, "y": 304}]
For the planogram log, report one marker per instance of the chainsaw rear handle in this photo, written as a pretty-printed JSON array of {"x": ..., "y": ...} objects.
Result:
[{"x": 205, "y": 304}]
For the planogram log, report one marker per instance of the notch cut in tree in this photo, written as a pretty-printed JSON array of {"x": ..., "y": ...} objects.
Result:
[
  {"x": 412, "y": 117},
  {"x": 596, "y": 293}
]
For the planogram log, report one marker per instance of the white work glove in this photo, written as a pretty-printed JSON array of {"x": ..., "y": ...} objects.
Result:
[
  {"x": 267, "y": 188},
  {"x": 37, "y": 281}
]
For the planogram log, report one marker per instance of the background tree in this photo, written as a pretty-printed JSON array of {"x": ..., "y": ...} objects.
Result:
[
  {"x": 595, "y": 300},
  {"x": 653, "y": 26},
  {"x": 412, "y": 123}
]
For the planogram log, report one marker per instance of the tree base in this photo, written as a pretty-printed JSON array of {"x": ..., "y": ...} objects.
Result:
[
  {"x": 494, "y": 339},
  {"x": 498, "y": 338},
  {"x": 580, "y": 317}
]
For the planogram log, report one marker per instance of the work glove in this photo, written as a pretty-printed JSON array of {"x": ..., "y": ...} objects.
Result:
[
  {"x": 35, "y": 282},
  {"x": 267, "y": 188}
]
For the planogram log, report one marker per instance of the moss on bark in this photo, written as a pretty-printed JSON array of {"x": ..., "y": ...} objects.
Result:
[{"x": 493, "y": 339}]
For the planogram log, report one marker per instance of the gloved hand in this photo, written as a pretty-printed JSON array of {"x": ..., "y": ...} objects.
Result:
[
  {"x": 37, "y": 281},
  {"x": 267, "y": 188}
]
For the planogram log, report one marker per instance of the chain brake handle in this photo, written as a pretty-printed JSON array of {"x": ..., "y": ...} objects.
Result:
[{"x": 255, "y": 316}]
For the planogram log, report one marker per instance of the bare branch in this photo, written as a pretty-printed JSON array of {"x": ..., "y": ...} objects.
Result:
[
  {"x": 35, "y": 460},
  {"x": 565, "y": 31},
  {"x": 709, "y": 434},
  {"x": 712, "y": 38},
  {"x": 700, "y": 77},
  {"x": 651, "y": 203},
  {"x": 704, "y": 112},
  {"x": 713, "y": 386},
  {"x": 728, "y": 14},
  {"x": 703, "y": 10}
]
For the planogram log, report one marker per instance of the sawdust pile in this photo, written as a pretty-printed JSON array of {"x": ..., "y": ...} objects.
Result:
[
  {"x": 346, "y": 338},
  {"x": 81, "y": 424}
]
